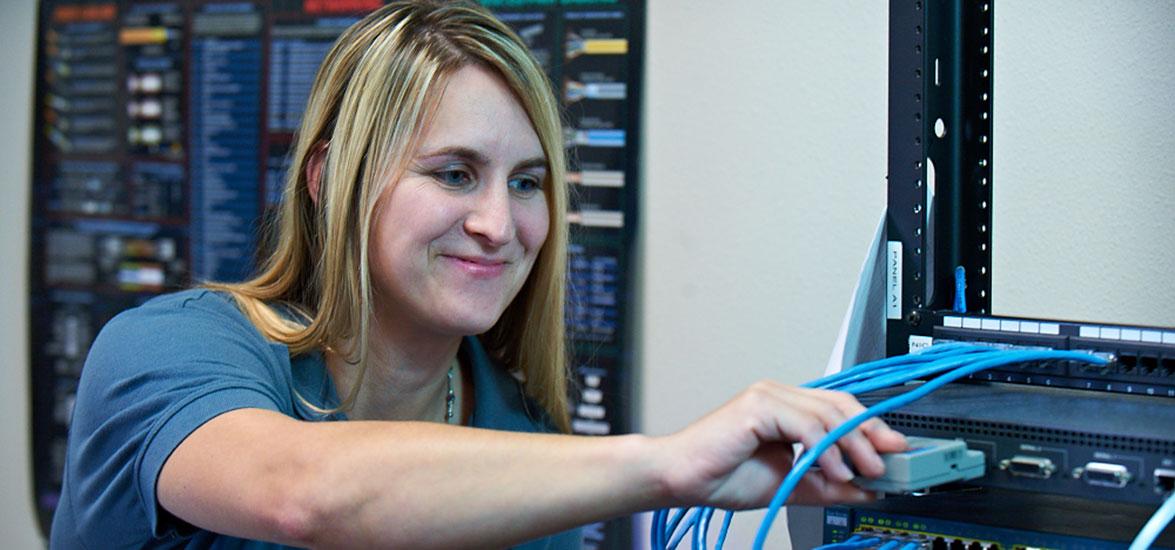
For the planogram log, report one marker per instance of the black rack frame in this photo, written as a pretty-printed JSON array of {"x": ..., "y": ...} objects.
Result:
[
  {"x": 940, "y": 74},
  {"x": 939, "y": 217},
  {"x": 940, "y": 184}
]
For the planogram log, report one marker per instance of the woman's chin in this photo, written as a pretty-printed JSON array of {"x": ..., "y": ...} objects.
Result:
[{"x": 473, "y": 324}]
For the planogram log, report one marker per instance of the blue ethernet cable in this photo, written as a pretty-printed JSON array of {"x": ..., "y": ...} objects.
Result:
[
  {"x": 910, "y": 546},
  {"x": 931, "y": 353},
  {"x": 678, "y": 535},
  {"x": 900, "y": 374},
  {"x": 668, "y": 533},
  {"x": 1154, "y": 527},
  {"x": 702, "y": 528},
  {"x": 851, "y": 540},
  {"x": 675, "y": 522},
  {"x": 655, "y": 533},
  {"x": 856, "y": 542},
  {"x": 926, "y": 355},
  {"x": 901, "y": 377},
  {"x": 887, "y": 372},
  {"x": 809, "y": 457},
  {"x": 660, "y": 531},
  {"x": 897, "y": 370},
  {"x": 657, "y": 529},
  {"x": 960, "y": 289},
  {"x": 725, "y": 529}
]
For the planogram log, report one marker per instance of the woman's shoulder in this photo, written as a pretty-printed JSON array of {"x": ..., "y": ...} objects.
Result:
[
  {"x": 190, "y": 326},
  {"x": 192, "y": 301},
  {"x": 197, "y": 310}
]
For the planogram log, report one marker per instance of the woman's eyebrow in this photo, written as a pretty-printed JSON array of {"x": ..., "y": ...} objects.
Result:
[
  {"x": 463, "y": 153},
  {"x": 536, "y": 162},
  {"x": 474, "y": 156}
]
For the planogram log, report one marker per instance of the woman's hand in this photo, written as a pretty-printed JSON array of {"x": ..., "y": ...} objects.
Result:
[{"x": 737, "y": 456}]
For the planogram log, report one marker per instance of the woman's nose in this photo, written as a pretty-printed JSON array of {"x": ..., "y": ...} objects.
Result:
[{"x": 491, "y": 219}]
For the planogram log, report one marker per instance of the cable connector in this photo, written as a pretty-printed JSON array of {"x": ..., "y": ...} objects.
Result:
[{"x": 928, "y": 462}]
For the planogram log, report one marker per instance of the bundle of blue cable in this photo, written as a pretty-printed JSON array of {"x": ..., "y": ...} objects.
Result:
[
  {"x": 939, "y": 364},
  {"x": 857, "y": 542}
]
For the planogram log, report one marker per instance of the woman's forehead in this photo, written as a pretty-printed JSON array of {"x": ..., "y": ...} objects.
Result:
[{"x": 478, "y": 112}]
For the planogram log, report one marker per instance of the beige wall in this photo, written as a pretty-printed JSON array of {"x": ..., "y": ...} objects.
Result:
[
  {"x": 1083, "y": 175},
  {"x": 17, "y": 524},
  {"x": 764, "y": 177}
]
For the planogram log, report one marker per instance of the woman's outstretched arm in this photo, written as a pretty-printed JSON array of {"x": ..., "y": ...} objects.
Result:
[{"x": 258, "y": 474}]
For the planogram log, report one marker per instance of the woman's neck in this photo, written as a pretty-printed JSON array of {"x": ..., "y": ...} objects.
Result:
[{"x": 406, "y": 377}]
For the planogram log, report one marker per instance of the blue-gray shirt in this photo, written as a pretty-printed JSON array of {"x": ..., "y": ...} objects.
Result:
[{"x": 159, "y": 371}]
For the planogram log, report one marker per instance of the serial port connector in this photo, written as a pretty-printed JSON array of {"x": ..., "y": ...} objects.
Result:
[
  {"x": 1103, "y": 474},
  {"x": 1029, "y": 466}
]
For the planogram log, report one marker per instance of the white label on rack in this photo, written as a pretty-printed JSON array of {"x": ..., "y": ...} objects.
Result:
[
  {"x": 893, "y": 273},
  {"x": 917, "y": 343}
]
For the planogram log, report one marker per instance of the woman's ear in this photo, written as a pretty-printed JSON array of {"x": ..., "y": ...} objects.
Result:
[{"x": 314, "y": 169}]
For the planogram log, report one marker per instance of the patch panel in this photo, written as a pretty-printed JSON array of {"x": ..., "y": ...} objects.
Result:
[{"x": 1142, "y": 359}]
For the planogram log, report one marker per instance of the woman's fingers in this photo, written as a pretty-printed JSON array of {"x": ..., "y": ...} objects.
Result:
[
  {"x": 884, "y": 438},
  {"x": 816, "y": 489},
  {"x": 820, "y": 412},
  {"x": 729, "y": 458},
  {"x": 832, "y": 460},
  {"x": 864, "y": 444}
]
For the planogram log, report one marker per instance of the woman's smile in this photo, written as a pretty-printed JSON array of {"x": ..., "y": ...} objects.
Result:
[{"x": 476, "y": 267}]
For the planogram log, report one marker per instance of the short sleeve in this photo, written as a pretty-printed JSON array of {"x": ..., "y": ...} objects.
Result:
[{"x": 153, "y": 376}]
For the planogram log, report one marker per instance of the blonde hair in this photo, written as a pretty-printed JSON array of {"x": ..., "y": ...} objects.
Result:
[{"x": 370, "y": 101}]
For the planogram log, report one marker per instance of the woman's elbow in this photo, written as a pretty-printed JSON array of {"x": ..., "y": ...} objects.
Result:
[
  {"x": 294, "y": 521},
  {"x": 295, "y": 514}
]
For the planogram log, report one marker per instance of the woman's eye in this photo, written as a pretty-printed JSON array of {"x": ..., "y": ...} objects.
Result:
[
  {"x": 453, "y": 177},
  {"x": 525, "y": 185}
]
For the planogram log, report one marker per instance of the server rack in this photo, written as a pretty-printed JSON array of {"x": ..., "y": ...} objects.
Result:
[{"x": 1077, "y": 457}]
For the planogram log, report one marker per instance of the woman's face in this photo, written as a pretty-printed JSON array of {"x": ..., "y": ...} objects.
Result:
[{"x": 455, "y": 238}]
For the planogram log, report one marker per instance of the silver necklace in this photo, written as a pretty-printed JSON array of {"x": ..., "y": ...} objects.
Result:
[{"x": 450, "y": 398}]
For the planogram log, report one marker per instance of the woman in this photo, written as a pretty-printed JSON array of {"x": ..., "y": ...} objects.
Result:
[{"x": 416, "y": 291}]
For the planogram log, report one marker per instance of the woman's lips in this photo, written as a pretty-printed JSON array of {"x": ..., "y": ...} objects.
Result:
[{"x": 479, "y": 268}]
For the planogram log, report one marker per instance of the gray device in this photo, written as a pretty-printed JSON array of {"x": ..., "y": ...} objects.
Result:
[{"x": 928, "y": 462}]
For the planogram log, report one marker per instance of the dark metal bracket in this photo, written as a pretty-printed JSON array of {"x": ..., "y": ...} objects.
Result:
[{"x": 940, "y": 165}]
